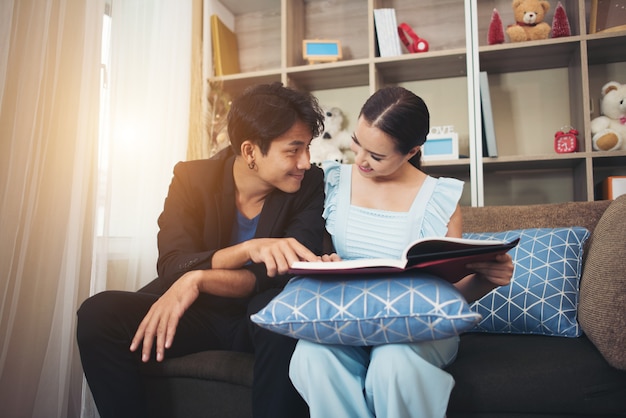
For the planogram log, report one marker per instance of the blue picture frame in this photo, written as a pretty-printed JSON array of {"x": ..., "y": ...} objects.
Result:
[
  {"x": 441, "y": 147},
  {"x": 321, "y": 50}
]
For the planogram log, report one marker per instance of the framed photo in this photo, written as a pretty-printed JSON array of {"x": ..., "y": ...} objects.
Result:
[
  {"x": 321, "y": 50},
  {"x": 613, "y": 186},
  {"x": 441, "y": 146},
  {"x": 607, "y": 16}
]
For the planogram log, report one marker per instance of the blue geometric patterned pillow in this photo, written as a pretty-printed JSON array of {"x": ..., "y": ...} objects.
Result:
[
  {"x": 376, "y": 310},
  {"x": 542, "y": 297}
]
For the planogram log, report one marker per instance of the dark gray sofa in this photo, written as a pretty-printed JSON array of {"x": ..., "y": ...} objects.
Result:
[{"x": 496, "y": 375}]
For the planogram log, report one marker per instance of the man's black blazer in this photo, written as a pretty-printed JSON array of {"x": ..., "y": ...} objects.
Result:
[{"x": 199, "y": 212}]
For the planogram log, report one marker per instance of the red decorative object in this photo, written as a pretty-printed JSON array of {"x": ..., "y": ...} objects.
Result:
[
  {"x": 560, "y": 23},
  {"x": 566, "y": 141},
  {"x": 416, "y": 44},
  {"x": 496, "y": 30}
]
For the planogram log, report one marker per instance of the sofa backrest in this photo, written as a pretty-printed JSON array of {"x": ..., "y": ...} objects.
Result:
[{"x": 551, "y": 215}]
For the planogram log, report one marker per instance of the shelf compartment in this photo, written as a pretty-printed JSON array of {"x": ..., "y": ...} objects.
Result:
[
  {"x": 236, "y": 83},
  {"x": 346, "y": 21},
  {"x": 505, "y": 10},
  {"x": 331, "y": 75},
  {"x": 528, "y": 56},
  {"x": 529, "y": 187},
  {"x": 529, "y": 107},
  {"x": 610, "y": 163},
  {"x": 460, "y": 166},
  {"x": 609, "y": 159},
  {"x": 259, "y": 39},
  {"x": 537, "y": 162},
  {"x": 423, "y": 66},
  {"x": 440, "y": 22},
  {"x": 602, "y": 48},
  {"x": 542, "y": 178}
]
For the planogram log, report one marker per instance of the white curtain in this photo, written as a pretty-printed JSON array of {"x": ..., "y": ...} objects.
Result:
[
  {"x": 145, "y": 134},
  {"x": 49, "y": 86},
  {"x": 78, "y": 215}
]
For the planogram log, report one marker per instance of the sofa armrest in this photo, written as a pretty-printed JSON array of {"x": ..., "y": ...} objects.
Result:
[{"x": 602, "y": 307}]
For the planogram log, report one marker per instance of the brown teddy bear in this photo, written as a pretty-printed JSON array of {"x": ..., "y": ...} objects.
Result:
[{"x": 529, "y": 16}]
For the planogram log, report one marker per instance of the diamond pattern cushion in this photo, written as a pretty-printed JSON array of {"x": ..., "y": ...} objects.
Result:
[
  {"x": 544, "y": 292},
  {"x": 377, "y": 310}
]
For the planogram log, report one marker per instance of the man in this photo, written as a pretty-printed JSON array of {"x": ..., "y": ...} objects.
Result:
[{"x": 230, "y": 228}]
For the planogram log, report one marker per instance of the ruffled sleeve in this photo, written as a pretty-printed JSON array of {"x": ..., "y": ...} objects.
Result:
[
  {"x": 441, "y": 206},
  {"x": 332, "y": 177}
]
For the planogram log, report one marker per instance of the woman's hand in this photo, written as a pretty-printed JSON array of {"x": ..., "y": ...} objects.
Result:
[
  {"x": 489, "y": 275},
  {"x": 498, "y": 272},
  {"x": 331, "y": 257}
]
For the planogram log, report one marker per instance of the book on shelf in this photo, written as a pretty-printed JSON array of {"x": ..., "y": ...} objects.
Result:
[
  {"x": 445, "y": 257},
  {"x": 387, "y": 36},
  {"x": 490, "y": 149},
  {"x": 225, "y": 49}
]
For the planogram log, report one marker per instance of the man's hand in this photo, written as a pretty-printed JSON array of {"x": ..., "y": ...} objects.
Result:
[
  {"x": 162, "y": 319},
  {"x": 278, "y": 253}
]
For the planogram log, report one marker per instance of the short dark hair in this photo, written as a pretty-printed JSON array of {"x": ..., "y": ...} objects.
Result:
[
  {"x": 402, "y": 115},
  {"x": 264, "y": 112}
]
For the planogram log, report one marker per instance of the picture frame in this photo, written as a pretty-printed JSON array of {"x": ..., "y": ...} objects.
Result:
[
  {"x": 321, "y": 50},
  {"x": 613, "y": 186},
  {"x": 607, "y": 16},
  {"x": 441, "y": 146}
]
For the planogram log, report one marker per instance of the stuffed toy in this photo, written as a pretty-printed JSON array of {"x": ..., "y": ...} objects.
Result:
[
  {"x": 609, "y": 130},
  {"x": 529, "y": 24},
  {"x": 334, "y": 143}
]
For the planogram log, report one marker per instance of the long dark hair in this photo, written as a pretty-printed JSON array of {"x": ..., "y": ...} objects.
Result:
[
  {"x": 402, "y": 115},
  {"x": 264, "y": 112}
]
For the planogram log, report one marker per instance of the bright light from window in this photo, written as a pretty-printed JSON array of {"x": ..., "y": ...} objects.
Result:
[{"x": 103, "y": 140}]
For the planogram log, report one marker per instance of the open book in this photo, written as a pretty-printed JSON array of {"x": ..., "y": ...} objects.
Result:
[{"x": 444, "y": 257}]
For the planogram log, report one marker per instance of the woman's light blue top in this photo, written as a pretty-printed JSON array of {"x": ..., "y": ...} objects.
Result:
[{"x": 369, "y": 233}]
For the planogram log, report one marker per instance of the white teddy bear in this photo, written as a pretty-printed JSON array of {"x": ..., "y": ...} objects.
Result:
[
  {"x": 334, "y": 143},
  {"x": 609, "y": 131}
]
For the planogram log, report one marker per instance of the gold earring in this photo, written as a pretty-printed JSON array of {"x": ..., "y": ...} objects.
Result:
[{"x": 251, "y": 165}]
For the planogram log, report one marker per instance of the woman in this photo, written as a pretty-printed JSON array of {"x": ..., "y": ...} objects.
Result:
[{"x": 374, "y": 208}]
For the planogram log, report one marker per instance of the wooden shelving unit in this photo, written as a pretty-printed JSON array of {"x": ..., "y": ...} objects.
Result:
[{"x": 536, "y": 87}]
